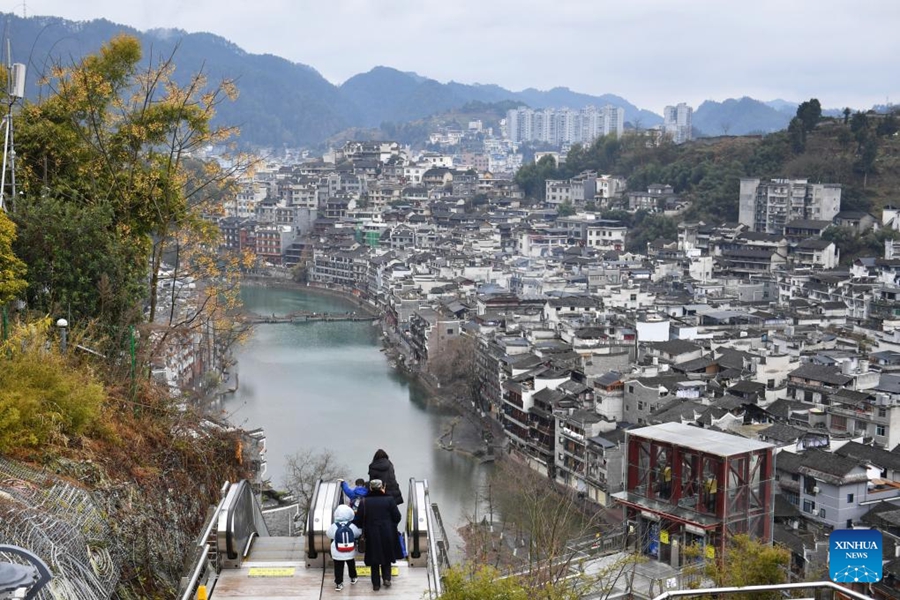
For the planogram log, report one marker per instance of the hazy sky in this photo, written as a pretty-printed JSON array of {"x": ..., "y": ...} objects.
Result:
[{"x": 651, "y": 52}]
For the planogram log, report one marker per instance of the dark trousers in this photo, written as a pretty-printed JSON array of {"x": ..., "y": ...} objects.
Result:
[
  {"x": 339, "y": 570},
  {"x": 380, "y": 572}
]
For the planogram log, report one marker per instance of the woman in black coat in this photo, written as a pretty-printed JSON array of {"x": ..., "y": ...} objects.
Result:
[
  {"x": 382, "y": 468},
  {"x": 378, "y": 517}
]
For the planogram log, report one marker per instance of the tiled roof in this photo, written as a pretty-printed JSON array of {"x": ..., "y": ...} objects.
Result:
[
  {"x": 874, "y": 455},
  {"x": 823, "y": 373},
  {"x": 788, "y": 462},
  {"x": 828, "y": 466},
  {"x": 781, "y": 433}
]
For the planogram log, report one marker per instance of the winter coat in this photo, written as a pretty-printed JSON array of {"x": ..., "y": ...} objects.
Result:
[
  {"x": 383, "y": 469},
  {"x": 379, "y": 516},
  {"x": 354, "y": 494},
  {"x": 342, "y": 514}
]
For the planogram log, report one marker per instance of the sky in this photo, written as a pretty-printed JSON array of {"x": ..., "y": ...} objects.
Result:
[{"x": 651, "y": 52}]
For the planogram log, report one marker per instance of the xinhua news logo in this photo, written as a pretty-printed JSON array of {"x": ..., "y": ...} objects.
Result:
[{"x": 854, "y": 555}]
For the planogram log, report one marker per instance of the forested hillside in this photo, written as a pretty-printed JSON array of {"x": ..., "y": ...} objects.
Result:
[
  {"x": 107, "y": 195},
  {"x": 860, "y": 151}
]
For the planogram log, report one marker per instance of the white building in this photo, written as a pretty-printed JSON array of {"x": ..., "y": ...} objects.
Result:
[
  {"x": 564, "y": 126},
  {"x": 767, "y": 206},
  {"x": 677, "y": 122}
]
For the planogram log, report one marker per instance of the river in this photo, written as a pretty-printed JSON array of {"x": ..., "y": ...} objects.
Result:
[{"x": 328, "y": 386}]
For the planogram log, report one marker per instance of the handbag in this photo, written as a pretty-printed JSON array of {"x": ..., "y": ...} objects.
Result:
[{"x": 402, "y": 544}]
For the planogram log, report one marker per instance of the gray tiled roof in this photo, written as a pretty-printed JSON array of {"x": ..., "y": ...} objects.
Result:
[
  {"x": 788, "y": 462},
  {"x": 823, "y": 373},
  {"x": 674, "y": 346},
  {"x": 828, "y": 466},
  {"x": 878, "y": 457},
  {"x": 781, "y": 433}
]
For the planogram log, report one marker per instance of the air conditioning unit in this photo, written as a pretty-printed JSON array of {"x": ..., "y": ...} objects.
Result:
[{"x": 815, "y": 490}]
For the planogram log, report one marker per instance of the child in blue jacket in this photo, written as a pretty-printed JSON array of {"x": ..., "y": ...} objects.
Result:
[{"x": 356, "y": 494}]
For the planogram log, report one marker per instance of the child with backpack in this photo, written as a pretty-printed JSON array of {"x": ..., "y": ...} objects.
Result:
[
  {"x": 356, "y": 494},
  {"x": 343, "y": 534}
]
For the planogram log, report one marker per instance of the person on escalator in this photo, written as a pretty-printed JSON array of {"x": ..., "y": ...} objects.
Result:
[
  {"x": 355, "y": 494},
  {"x": 378, "y": 516},
  {"x": 343, "y": 535},
  {"x": 382, "y": 468}
]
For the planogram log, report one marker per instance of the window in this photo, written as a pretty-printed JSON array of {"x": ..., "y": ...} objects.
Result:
[
  {"x": 882, "y": 412},
  {"x": 630, "y": 389},
  {"x": 449, "y": 332},
  {"x": 879, "y": 430},
  {"x": 849, "y": 498},
  {"x": 809, "y": 484},
  {"x": 849, "y": 523},
  {"x": 838, "y": 423},
  {"x": 640, "y": 405},
  {"x": 822, "y": 512},
  {"x": 770, "y": 384},
  {"x": 633, "y": 297},
  {"x": 809, "y": 506}
]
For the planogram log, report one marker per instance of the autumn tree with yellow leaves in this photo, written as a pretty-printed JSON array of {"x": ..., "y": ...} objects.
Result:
[{"x": 113, "y": 189}]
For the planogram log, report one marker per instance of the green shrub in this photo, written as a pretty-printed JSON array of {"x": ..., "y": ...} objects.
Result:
[{"x": 43, "y": 399}]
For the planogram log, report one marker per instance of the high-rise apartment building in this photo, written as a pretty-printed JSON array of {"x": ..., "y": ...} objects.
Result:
[
  {"x": 677, "y": 122},
  {"x": 564, "y": 126},
  {"x": 768, "y": 206}
]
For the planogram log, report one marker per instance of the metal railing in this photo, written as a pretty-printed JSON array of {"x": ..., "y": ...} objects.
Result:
[
  {"x": 765, "y": 588},
  {"x": 226, "y": 537},
  {"x": 434, "y": 568}
]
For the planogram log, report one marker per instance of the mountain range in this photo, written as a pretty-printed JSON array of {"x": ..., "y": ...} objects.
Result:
[{"x": 283, "y": 103}]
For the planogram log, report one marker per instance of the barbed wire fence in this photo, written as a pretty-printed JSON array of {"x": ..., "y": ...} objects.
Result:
[{"x": 63, "y": 525}]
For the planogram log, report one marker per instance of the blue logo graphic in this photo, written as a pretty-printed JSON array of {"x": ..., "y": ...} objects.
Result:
[{"x": 854, "y": 555}]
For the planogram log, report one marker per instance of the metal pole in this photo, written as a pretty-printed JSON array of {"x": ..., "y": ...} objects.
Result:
[{"x": 6, "y": 120}]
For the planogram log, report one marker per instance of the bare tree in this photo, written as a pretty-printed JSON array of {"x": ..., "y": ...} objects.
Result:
[
  {"x": 544, "y": 520},
  {"x": 454, "y": 368},
  {"x": 304, "y": 470}
]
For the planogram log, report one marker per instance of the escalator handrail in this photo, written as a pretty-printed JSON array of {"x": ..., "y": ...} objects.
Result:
[
  {"x": 243, "y": 520},
  {"x": 432, "y": 547},
  {"x": 413, "y": 519},
  {"x": 310, "y": 530}
]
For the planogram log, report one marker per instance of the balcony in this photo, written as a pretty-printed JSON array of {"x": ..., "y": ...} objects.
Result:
[{"x": 572, "y": 434}]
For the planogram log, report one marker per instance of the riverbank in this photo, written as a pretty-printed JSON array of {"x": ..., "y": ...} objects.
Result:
[{"x": 469, "y": 434}]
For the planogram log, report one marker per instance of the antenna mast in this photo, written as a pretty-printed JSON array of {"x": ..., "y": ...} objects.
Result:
[{"x": 15, "y": 90}]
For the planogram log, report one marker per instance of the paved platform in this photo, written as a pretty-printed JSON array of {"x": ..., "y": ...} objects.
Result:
[{"x": 276, "y": 568}]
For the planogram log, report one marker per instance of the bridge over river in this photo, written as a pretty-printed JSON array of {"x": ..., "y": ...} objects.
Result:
[{"x": 303, "y": 316}]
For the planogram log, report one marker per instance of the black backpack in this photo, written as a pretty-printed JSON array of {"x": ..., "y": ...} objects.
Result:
[{"x": 344, "y": 540}]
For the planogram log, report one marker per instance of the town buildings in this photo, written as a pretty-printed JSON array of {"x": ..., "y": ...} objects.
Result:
[{"x": 745, "y": 347}]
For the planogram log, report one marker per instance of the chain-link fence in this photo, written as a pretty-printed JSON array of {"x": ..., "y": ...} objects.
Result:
[{"x": 61, "y": 524}]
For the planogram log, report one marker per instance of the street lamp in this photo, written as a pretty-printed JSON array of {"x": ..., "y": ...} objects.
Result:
[{"x": 63, "y": 333}]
